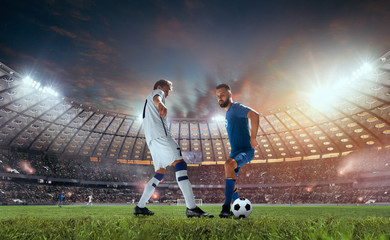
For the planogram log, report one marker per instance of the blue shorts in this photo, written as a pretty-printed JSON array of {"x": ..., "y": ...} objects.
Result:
[{"x": 243, "y": 158}]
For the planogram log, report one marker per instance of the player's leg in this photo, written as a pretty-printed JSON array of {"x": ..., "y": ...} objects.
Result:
[
  {"x": 232, "y": 167},
  {"x": 184, "y": 183},
  {"x": 241, "y": 159},
  {"x": 182, "y": 179},
  {"x": 148, "y": 192},
  {"x": 235, "y": 191},
  {"x": 150, "y": 187},
  {"x": 230, "y": 182},
  {"x": 186, "y": 188}
]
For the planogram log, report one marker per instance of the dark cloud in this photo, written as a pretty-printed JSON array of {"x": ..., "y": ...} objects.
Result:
[
  {"x": 271, "y": 53},
  {"x": 62, "y": 32}
]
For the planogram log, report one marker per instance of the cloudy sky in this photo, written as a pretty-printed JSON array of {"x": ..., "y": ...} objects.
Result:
[{"x": 108, "y": 54}]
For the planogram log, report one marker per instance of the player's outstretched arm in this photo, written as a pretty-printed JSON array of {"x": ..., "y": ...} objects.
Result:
[
  {"x": 162, "y": 109},
  {"x": 253, "y": 117}
]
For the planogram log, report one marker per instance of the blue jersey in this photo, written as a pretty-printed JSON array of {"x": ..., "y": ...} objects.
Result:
[
  {"x": 61, "y": 196},
  {"x": 237, "y": 128}
]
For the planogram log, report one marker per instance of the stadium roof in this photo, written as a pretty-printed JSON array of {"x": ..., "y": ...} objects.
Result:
[{"x": 35, "y": 118}]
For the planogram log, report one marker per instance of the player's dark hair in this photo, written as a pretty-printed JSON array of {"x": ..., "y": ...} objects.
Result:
[
  {"x": 223, "y": 85},
  {"x": 163, "y": 83}
]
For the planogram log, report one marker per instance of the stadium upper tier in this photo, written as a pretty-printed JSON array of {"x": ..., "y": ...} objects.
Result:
[{"x": 35, "y": 118}]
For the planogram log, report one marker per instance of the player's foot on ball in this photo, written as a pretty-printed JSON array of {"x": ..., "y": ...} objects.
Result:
[
  {"x": 142, "y": 211},
  {"x": 197, "y": 212},
  {"x": 225, "y": 213}
]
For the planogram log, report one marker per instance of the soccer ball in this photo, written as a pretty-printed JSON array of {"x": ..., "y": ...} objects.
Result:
[{"x": 242, "y": 208}]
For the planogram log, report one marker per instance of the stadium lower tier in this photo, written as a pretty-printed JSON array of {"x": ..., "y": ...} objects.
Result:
[
  {"x": 35, "y": 178},
  {"x": 25, "y": 193},
  {"x": 345, "y": 169}
]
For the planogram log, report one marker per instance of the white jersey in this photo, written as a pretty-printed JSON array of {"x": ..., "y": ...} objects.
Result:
[
  {"x": 90, "y": 198},
  {"x": 154, "y": 125}
]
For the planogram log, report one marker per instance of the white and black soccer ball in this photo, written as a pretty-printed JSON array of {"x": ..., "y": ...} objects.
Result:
[{"x": 241, "y": 208}]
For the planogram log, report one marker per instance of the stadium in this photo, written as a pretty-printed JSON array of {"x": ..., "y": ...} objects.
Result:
[
  {"x": 83, "y": 153},
  {"x": 333, "y": 149}
]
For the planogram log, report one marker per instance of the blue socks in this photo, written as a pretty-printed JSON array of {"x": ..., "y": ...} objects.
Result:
[
  {"x": 235, "y": 194},
  {"x": 229, "y": 188},
  {"x": 235, "y": 191}
]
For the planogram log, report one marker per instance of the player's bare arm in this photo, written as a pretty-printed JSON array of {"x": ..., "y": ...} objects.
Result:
[
  {"x": 162, "y": 109},
  {"x": 253, "y": 117}
]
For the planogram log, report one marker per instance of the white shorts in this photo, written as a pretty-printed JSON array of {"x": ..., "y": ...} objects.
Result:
[{"x": 164, "y": 151}]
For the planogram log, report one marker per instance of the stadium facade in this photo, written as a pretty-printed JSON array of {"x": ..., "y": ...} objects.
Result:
[
  {"x": 34, "y": 118},
  {"x": 59, "y": 135}
]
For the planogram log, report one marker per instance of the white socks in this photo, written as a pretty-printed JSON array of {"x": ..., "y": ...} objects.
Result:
[
  {"x": 186, "y": 188},
  {"x": 148, "y": 192},
  {"x": 182, "y": 180}
]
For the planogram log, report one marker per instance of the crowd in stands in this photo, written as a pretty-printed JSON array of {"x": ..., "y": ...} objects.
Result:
[
  {"x": 13, "y": 193},
  {"x": 338, "y": 194},
  {"x": 330, "y": 180}
]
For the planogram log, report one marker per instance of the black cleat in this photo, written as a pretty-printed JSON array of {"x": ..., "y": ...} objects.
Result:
[
  {"x": 197, "y": 212},
  {"x": 225, "y": 213},
  {"x": 142, "y": 211}
]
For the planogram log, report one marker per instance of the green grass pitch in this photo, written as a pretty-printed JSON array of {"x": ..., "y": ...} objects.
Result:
[{"x": 170, "y": 222}]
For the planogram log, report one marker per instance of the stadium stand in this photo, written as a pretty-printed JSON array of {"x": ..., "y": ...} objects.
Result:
[{"x": 336, "y": 154}]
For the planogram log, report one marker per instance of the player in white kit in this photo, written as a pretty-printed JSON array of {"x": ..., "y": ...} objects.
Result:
[
  {"x": 90, "y": 200},
  {"x": 164, "y": 150}
]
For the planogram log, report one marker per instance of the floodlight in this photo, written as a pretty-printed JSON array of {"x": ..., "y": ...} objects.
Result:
[
  {"x": 28, "y": 81},
  {"x": 218, "y": 118},
  {"x": 52, "y": 92},
  {"x": 323, "y": 98},
  {"x": 36, "y": 84},
  {"x": 366, "y": 68}
]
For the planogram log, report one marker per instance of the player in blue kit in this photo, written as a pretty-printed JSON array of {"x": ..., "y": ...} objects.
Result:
[
  {"x": 62, "y": 195},
  {"x": 242, "y": 141}
]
